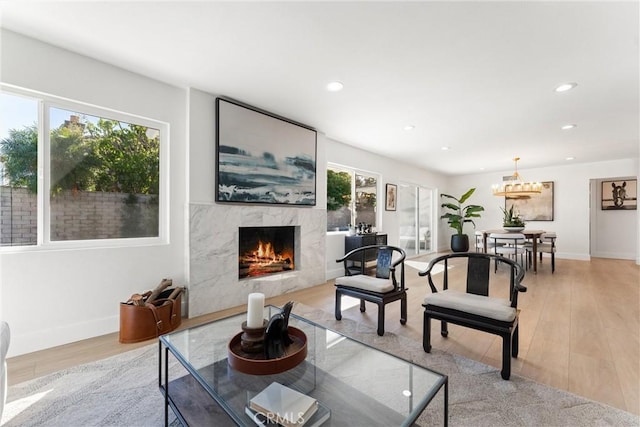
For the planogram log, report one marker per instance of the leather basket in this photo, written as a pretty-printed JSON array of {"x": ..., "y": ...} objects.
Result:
[{"x": 141, "y": 323}]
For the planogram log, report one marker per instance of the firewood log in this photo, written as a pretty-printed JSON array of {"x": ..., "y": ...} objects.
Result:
[
  {"x": 177, "y": 291},
  {"x": 161, "y": 287},
  {"x": 136, "y": 299}
]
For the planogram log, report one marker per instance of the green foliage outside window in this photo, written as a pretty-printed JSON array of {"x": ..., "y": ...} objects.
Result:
[
  {"x": 338, "y": 189},
  {"x": 19, "y": 154},
  {"x": 108, "y": 156}
]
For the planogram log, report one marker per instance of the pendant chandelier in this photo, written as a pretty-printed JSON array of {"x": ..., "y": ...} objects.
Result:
[{"x": 515, "y": 187}]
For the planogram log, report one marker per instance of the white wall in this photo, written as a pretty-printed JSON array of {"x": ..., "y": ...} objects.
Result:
[
  {"x": 572, "y": 210},
  {"x": 613, "y": 232},
  {"x": 59, "y": 296},
  {"x": 390, "y": 171}
]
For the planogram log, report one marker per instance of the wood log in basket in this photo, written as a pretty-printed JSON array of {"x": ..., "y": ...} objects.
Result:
[
  {"x": 177, "y": 291},
  {"x": 165, "y": 283},
  {"x": 138, "y": 299}
]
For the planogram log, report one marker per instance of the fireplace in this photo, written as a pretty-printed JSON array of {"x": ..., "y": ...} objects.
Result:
[{"x": 265, "y": 250}]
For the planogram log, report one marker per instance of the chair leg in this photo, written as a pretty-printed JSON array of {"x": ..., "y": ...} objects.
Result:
[
  {"x": 553, "y": 262},
  {"x": 514, "y": 342},
  {"x": 443, "y": 329},
  {"x": 338, "y": 305},
  {"x": 381, "y": 319},
  {"x": 506, "y": 357},
  {"x": 362, "y": 307},
  {"x": 426, "y": 333},
  {"x": 403, "y": 310}
]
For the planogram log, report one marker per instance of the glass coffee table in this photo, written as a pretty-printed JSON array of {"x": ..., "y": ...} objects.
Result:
[{"x": 357, "y": 384}]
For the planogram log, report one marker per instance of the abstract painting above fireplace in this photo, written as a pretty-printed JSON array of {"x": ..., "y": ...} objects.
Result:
[
  {"x": 265, "y": 250},
  {"x": 263, "y": 158}
]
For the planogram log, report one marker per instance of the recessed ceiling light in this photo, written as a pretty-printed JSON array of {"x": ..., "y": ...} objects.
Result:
[
  {"x": 335, "y": 86},
  {"x": 566, "y": 86},
  {"x": 567, "y": 127},
  {"x": 445, "y": 148},
  {"x": 409, "y": 127},
  {"x": 570, "y": 158}
]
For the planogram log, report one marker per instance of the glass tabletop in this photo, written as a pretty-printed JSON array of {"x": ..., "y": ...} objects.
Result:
[{"x": 354, "y": 381}]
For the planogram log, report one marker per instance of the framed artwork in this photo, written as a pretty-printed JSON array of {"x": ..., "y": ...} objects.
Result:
[
  {"x": 620, "y": 194},
  {"x": 538, "y": 207},
  {"x": 263, "y": 158},
  {"x": 391, "y": 198}
]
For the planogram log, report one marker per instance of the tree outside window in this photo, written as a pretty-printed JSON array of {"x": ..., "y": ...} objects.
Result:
[{"x": 351, "y": 198}]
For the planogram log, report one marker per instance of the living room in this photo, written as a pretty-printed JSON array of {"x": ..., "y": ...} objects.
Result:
[{"x": 32, "y": 279}]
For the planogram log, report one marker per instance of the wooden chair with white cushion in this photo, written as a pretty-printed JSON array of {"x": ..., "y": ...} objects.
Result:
[
  {"x": 386, "y": 286},
  {"x": 474, "y": 307}
]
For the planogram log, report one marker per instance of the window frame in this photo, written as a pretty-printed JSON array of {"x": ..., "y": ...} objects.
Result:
[
  {"x": 352, "y": 206},
  {"x": 43, "y": 241}
]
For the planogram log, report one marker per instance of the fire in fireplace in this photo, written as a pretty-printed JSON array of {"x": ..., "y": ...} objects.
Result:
[{"x": 265, "y": 250}]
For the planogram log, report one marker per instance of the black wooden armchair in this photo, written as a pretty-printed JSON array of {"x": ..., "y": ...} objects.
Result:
[
  {"x": 385, "y": 287},
  {"x": 475, "y": 308}
]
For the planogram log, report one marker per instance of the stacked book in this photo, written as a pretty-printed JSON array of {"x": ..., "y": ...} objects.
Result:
[{"x": 279, "y": 405}]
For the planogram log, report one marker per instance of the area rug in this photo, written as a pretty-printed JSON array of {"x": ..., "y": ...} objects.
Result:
[{"x": 123, "y": 391}]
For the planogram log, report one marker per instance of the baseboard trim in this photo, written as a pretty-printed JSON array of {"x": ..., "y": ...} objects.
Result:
[
  {"x": 614, "y": 255},
  {"x": 53, "y": 337}
]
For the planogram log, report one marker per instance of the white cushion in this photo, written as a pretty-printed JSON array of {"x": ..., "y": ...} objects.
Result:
[
  {"x": 546, "y": 247},
  {"x": 493, "y": 308},
  {"x": 367, "y": 283}
]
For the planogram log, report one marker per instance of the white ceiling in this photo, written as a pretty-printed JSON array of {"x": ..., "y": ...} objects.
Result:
[{"x": 477, "y": 77}]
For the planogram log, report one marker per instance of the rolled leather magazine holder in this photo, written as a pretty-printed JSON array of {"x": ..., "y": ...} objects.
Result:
[{"x": 144, "y": 322}]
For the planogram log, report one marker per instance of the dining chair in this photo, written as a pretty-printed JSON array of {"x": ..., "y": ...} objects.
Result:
[
  {"x": 480, "y": 243},
  {"x": 546, "y": 244},
  {"x": 509, "y": 245}
]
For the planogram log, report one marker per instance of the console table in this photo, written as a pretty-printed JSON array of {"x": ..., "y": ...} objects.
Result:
[
  {"x": 357, "y": 383},
  {"x": 369, "y": 256}
]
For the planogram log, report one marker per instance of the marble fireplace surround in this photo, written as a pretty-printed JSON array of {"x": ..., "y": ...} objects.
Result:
[{"x": 213, "y": 253}]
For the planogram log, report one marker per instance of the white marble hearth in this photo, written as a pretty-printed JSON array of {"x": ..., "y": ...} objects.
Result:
[{"x": 213, "y": 253}]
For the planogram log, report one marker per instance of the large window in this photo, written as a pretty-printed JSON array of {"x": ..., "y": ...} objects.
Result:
[
  {"x": 72, "y": 172},
  {"x": 351, "y": 198}
]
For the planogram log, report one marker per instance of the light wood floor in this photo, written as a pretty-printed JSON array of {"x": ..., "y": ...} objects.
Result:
[{"x": 579, "y": 331}]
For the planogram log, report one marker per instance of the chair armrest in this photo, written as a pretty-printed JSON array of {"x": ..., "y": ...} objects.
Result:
[
  {"x": 427, "y": 272},
  {"x": 355, "y": 251}
]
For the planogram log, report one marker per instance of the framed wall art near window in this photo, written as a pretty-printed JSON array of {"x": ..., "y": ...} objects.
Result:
[
  {"x": 538, "y": 207},
  {"x": 620, "y": 194},
  {"x": 263, "y": 158},
  {"x": 391, "y": 198}
]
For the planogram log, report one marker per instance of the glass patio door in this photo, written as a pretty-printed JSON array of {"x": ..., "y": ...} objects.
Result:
[{"x": 415, "y": 206}]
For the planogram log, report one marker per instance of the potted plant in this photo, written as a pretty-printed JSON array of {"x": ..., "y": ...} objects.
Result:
[
  {"x": 512, "y": 220},
  {"x": 458, "y": 216}
]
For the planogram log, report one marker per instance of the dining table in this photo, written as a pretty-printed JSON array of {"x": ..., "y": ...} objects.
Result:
[{"x": 534, "y": 235}]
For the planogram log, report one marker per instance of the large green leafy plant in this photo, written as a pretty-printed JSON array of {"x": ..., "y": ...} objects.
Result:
[{"x": 460, "y": 214}]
